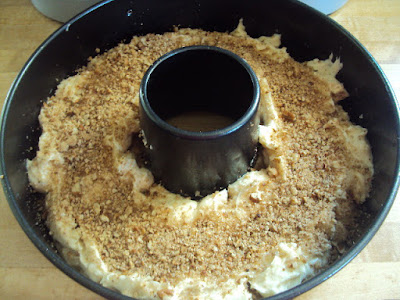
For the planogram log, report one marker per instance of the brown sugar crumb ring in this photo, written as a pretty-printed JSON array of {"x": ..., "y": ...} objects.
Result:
[{"x": 282, "y": 221}]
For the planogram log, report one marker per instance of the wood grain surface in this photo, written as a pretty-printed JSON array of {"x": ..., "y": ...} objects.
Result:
[{"x": 374, "y": 274}]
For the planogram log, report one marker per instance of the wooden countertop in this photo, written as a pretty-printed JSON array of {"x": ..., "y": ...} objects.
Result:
[{"x": 374, "y": 274}]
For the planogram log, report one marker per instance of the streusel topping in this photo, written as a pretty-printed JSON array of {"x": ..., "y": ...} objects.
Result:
[{"x": 314, "y": 170}]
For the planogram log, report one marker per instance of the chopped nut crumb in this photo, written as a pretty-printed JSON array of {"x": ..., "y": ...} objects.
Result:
[{"x": 132, "y": 232}]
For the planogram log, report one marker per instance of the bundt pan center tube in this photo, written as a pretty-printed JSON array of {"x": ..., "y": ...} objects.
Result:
[
  {"x": 217, "y": 84},
  {"x": 306, "y": 33}
]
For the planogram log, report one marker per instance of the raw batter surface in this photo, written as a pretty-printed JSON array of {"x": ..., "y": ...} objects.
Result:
[{"x": 277, "y": 225}]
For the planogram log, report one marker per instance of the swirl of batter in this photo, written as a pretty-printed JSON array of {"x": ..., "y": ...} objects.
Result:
[{"x": 275, "y": 226}]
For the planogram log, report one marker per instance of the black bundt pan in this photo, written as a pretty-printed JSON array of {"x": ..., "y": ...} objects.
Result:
[{"x": 306, "y": 33}]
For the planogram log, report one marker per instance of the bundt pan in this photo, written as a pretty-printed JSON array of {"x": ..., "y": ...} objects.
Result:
[{"x": 306, "y": 33}]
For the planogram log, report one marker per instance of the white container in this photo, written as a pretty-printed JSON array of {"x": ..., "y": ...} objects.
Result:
[
  {"x": 62, "y": 10},
  {"x": 325, "y": 6}
]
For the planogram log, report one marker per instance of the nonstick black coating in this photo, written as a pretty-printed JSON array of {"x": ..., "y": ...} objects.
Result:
[
  {"x": 197, "y": 163},
  {"x": 306, "y": 33}
]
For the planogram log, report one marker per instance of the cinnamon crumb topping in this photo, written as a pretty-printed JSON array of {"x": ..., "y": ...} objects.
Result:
[{"x": 93, "y": 118}]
